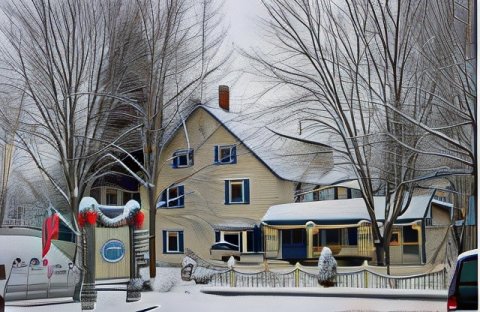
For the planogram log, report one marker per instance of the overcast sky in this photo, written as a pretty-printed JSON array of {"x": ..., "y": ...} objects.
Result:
[
  {"x": 242, "y": 15},
  {"x": 244, "y": 33}
]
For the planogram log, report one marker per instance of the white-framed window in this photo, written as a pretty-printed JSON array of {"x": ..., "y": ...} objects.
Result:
[
  {"x": 232, "y": 238},
  {"x": 248, "y": 241},
  {"x": 237, "y": 191},
  {"x": 172, "y": 241},
  {"x": 174, "y": 197},
  {"x": 182, "y": 158},
  {"x": 225, "y": 154}
]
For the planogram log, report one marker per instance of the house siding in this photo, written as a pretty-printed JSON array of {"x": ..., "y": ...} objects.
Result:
[{"x": 204, "y": 185}]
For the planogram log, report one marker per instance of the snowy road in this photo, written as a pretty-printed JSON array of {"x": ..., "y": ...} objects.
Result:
[{"x": 192, "y": 300}]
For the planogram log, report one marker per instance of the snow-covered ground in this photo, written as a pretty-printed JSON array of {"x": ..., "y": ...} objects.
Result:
[{"x": 186, "y": 296}]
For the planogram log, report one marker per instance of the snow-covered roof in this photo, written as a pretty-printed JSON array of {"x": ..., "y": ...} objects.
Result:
[
  {"x": 234, "y": 224},
  {"x": 289, "y": 159},
  {"x": 442, "y": 203},
  {"x": 341, "y": 211}
]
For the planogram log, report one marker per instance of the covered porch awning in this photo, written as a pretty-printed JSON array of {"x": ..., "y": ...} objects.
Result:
[
  {"x": 340, "y": 213},
  {"x": 234, "y": 224}
]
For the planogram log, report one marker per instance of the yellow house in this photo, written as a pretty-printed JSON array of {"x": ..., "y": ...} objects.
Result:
[{"x": 220, "y": 173}]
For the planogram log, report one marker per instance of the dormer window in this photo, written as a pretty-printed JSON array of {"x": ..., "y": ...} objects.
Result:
[
  {"x": 182, "y": 158},
  {"x": 225, "y": 154}
]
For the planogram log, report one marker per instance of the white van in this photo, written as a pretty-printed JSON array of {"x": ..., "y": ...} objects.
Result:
[{"x": 26, "y": 275}]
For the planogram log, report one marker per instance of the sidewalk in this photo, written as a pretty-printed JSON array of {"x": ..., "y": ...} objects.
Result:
[{"x": 379, "y": 293}]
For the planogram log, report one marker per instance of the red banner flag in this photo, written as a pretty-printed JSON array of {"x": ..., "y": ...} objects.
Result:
[{"x": 49, "y": 232}]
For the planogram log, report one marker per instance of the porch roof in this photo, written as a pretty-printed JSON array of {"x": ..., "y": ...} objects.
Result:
[
  {"x": 341, "y": 211},
  {"x": 234, "y": 224}
]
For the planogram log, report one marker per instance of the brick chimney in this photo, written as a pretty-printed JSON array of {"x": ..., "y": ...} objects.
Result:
[{"x": 224, "y": 97}]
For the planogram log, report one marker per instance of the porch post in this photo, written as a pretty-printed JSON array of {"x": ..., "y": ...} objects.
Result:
[{"x": 309, "y": 228}]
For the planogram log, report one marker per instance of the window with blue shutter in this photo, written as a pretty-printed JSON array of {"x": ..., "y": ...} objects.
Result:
[
  {"x": 174, "y": 197},
  {"x": 237, "y": 191},
  {"x": 225, "y": 154},
  {"x": 173, "y": 242},
  {"x": 217, "y": 236},
  {"x": 182, "y": 158}
]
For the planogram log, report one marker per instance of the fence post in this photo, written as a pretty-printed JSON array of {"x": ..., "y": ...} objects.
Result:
[
  {"x": 445, "y": 279},
  {"x": 297, "y": 274},
  {"x": 232, "y": 278},
  {"x": 365, "y": 278}
]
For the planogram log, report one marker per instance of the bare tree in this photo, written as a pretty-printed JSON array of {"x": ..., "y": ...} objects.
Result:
[
  {"x": 7, "y": 148},
  {"x": 181, "y": 43},
  {"x": 362, "y": 81},
  {"x": 57, "y": 62}
]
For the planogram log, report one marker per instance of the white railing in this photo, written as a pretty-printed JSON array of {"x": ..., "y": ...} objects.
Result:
[{"x": 303, "y": 277}]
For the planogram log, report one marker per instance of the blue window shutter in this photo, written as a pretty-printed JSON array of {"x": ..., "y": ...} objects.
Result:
[
  {"x": 180, "y": 241},
  {"x": 175, "y": 161},
  {"x": 217, "y": 236},
  {"x": 215, "y": 153},
  {"x": 164, "y": 198},
  {"x": 246, "y": 191},
  {"x": 257, "y": 239},
  {"x": 164, "y": 241},
  {"x": 190, "y": 155},
  {"x": 181, "y": 192},
  {"x": 233, "y": 156},
  {"x": 227, "y": 192}
]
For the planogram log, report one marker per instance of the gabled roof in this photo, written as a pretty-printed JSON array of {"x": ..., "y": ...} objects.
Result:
[
  {"x": 287, "y": 158},
  {"x": 342, "y": 211}
]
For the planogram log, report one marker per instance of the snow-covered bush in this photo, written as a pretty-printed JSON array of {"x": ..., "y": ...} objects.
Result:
[
  {"x": 187, "y": 260},
  {"x": 231, "y": 262},
  {"x": 188, "y": 267},
  {"x": 163, "y": 282},
  {"x": 327, "y": 266}
]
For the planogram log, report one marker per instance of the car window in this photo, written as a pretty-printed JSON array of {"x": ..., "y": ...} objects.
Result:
[
  {"x": 469, "y": 271},
  {"x": 467, "y": 290}
]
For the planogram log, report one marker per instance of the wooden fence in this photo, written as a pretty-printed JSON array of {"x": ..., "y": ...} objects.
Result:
[{"x": 301, "y": 277}]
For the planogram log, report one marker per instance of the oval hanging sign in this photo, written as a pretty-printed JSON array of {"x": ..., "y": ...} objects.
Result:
[{"x": 113, "y": 251}]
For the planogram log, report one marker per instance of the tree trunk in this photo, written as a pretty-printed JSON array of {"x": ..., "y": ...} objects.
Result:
[
  {"x": 387, "y": 257},
  {"x": 380, "y": 253},
  {"x": 78, "y": 258},
  {"x": 152, "y": 214}
]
